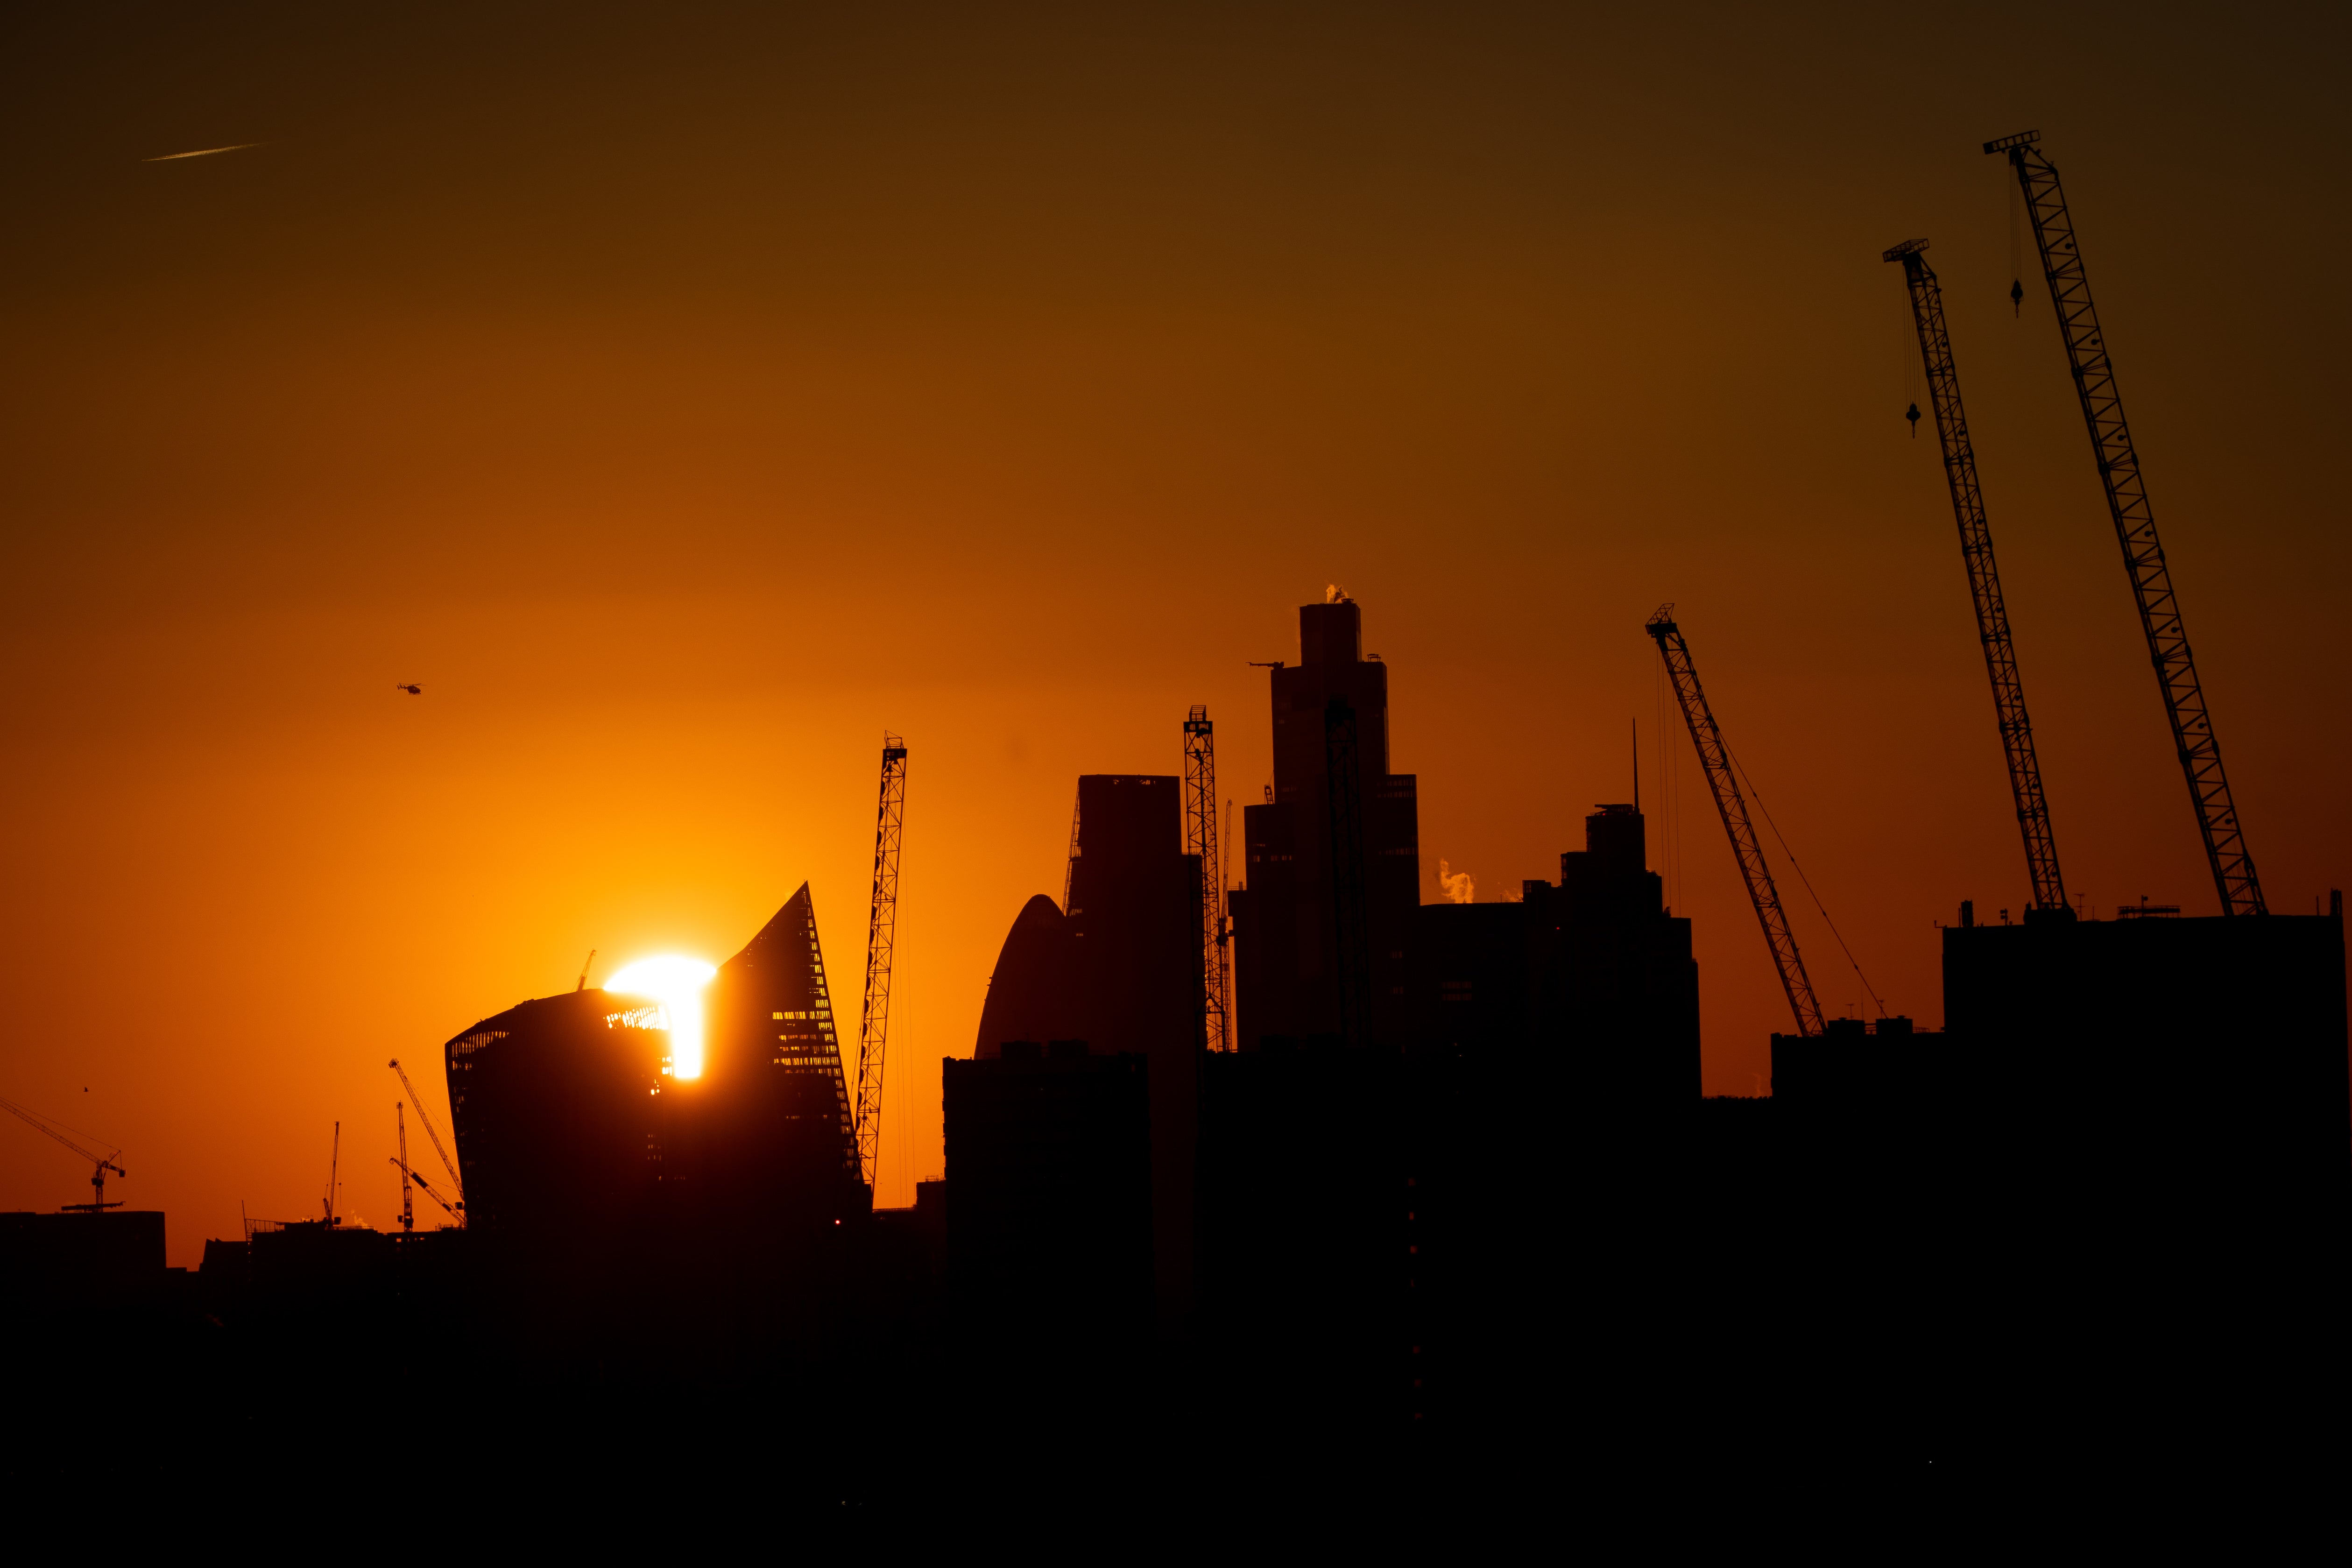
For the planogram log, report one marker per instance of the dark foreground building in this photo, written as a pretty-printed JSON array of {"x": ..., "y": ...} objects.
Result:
[
  {"x": 1590, "y": 980},
  {"x": 612, "y": 1200},
  {"x": 2165, "y": 1122},
  {"x": 68, "y": 1260},
  {"x": 1049, "y": 1160}
]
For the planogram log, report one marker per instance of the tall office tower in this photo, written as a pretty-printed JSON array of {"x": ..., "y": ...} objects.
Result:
[
  {"x": 1119, "y": 969},
  {"x": 1333, "y": 876},
  {"x": 609, "y": 1185}
]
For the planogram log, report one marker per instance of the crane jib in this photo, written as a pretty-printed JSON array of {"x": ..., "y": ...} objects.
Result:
[
  {"x": 1984, "y": 579},
  {"x": 2226, "y": 855},
  {"x": 1715, "y": 759}
]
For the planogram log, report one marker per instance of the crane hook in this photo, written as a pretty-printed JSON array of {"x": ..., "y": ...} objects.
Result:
[
  {"x": 1912, "y": 414},
  {"x": 2016, "y": 295}
]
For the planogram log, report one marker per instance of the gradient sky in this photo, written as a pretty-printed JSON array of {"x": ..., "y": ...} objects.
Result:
[{"x": 683, "y": 394}]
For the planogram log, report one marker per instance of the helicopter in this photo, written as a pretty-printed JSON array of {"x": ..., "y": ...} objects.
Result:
[{"x": 412, "y": 688}]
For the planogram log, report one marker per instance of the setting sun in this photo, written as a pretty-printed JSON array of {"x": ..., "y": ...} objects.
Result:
[{"x": 677, "y": 983}]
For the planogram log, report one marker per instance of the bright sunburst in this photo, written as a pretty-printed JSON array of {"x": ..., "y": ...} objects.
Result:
[{"x": 677, "y": 983}]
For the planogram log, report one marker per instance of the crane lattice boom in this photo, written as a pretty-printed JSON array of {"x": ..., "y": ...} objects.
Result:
[
  {"x": 1201, "y": 839},
  {"x": 1984, "y": 578},
  {"x": 2151, "y": 579},
  {"x": 1716, "y": 760},
  {"x": 457, "y": 1211},
  {"x": 457, "y": 1182},
  {"x": 881, "y": 942}
]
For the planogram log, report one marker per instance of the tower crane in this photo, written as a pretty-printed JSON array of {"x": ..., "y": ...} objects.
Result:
[
  {"x": 2151, "y": 579},
  {"x": 407, "y": 1197},
  {"x": 457, "y": 1211},
  {"x": 1201, "y": 839},
  {"x": 1715, "y": 758},
  {"x": 1984, "y": 580},
  {"x": 100, "y": 1163},
  {"x": 457, "y": 1182},
  {"x": 881, "y": 945}
]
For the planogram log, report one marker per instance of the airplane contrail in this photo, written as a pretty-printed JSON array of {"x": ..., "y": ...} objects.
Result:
[{"x": 202, "y": 152}]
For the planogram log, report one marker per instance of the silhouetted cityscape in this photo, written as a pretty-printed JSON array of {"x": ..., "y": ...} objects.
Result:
[{"x": 1453, "y": 1174}]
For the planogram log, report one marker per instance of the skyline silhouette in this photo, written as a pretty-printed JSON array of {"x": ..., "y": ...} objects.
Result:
[{"x": 1008, "y": 386}]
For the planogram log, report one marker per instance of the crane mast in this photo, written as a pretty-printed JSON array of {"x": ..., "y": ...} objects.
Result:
[
  {"x": 881, "y": 942},
  {"x": 2111, "y": 443},
  {"x": 1715, "y": 758},
  {"x": 407, "y": 1196},
  {"x": 457, "y": 1182},
  {"x": 1984, "y": 579},
  {"x": 456, "y": 1210},
  {"x": 1200, "y": 840}
]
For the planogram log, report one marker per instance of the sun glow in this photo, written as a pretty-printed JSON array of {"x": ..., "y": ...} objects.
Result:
[{"x": 677, "y": 983}]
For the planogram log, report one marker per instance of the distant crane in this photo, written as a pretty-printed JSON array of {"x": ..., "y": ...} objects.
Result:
[
  {"x": 456, "y": 1210},
  {"x": 334, "y": 1173},
  {"x": 1201, "y": 839},
  {"x": 881, "y": 945},
  {"x": 407, "y": 1197},
  {"x": 100, "y": 1163},
  {"x": 1984, "y": 581},
  {"x": 1716, "y": 760},
  {"x": 585, "y": 969},
  {"x": 2111, "y": 444},
  {"x": 457, "y": 1182}
]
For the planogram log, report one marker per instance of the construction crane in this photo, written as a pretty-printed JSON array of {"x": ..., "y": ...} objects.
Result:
[
  {"x": 881, "y": 942},
  {"x": 454, "y": 1210},
  {"x": 2111, "y": 444},
  {"x": 457, "y": 1182},
  {"x": 407, "y": 1197},
  {"x": 334, "y": 1173},
  {"x": 1984, "y": 581},
  {"x": 585, "y": 968},
  {"x": 100, "y": 1163},
  {"x": 1715, "y": 758},
  {"x": 1201, "y": 839}
]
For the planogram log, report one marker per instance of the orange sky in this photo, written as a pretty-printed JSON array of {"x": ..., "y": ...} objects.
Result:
[{"x": 685, "y": 396}]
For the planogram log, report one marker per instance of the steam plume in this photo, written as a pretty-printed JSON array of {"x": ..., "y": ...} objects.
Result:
[{"x": 1459, "y": 889}]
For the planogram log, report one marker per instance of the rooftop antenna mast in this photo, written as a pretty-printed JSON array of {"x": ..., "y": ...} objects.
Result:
[
  {"x": 2151, "y": 579},
  {"x": 1200, "y": 840},
  {"x": 1715, "y": 758},
  {"x": 1984, "y": 580},
  {"x": 881, "y": 945}
]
